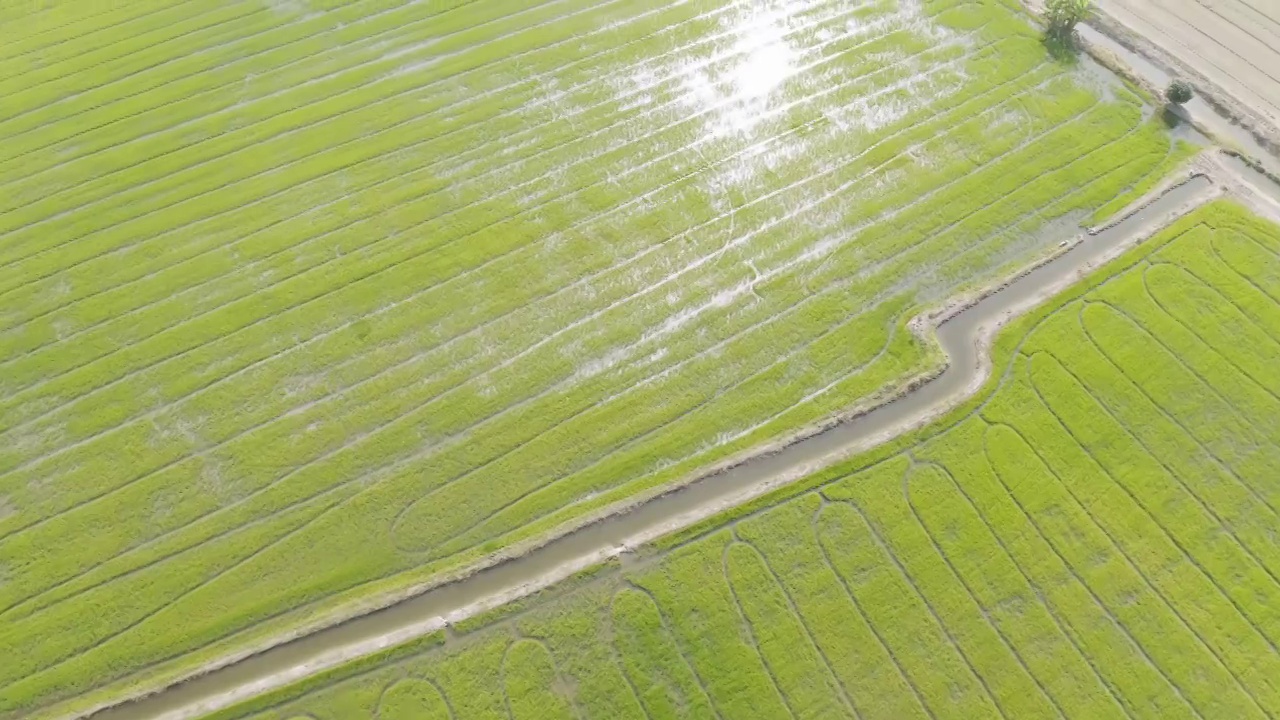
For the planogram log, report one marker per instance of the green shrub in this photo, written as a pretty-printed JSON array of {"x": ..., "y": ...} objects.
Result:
[
  {"x": 1064, "y": 15},
  {"x": 1179, "y": 92}
]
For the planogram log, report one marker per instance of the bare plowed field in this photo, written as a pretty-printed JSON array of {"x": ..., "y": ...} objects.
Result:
[{"x": 1234, "y": 43}]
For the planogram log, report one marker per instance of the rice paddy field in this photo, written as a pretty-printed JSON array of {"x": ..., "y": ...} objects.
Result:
[
  {"x": 306, "y": 301},
  {"x": 1093, "y": 536}
]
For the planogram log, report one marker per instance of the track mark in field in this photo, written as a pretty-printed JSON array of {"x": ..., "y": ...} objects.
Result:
[
  {"x": 355, "y": 108},
  {"x": 253, "y": 324},
  {"x": 602, "y": 181},
  {"x": 439, "y": 504},
  {"x": 1129, "y": 500},
  {"x": 777, "y": 626},
  {"x": 243, "y": 239},
  {"x": 862, "y": 614},
  {"x": 532, "y": 685},
  {"x": 309, "y": 82},
  {"x": 864, "y": 572},
  {"x": 412, "y": 699},
  {"x": 504, "y": 219},
  {"x": 1208, "y": 399},
  {"x": 760, "y": 235},
  {"x": 952, "y": 532},
  {"x": 752, "y": 638},
  {"x": 1012, "y": 477},
  {"x": 1068, "y": 670},
  {"x": 684, "y": 686},
  {"x": 1247, "y": 269},
  {"x": 1217, "y": 322},
  {"x": 1189, "y": 476}
]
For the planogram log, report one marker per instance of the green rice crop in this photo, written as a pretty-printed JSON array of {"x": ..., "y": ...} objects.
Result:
[
  {"x": 1092, "y": 536},
  {"x": 306, "y": 301}
]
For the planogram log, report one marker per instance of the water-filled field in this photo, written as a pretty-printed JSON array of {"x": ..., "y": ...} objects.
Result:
[
  {"x": 1092, "y": 537},
  {"x": 302, "y": 301}
]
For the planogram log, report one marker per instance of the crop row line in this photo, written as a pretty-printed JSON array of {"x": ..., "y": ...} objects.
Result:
[
  {"x": 675, "y": 642},
  {"x": 319, "y": 459},
  {"x": 173, "y": 115},
  {"x": 862, "y": 613},
  {"x": 382, "y": 696},
  {"x": 74, "y": 653},
  {"x": 1222, "y": 260},
  {"x": 983, "y": 612},
  {"x": 510, "y": 217},
  {"x": 1200, "y": 377},
  {"x": 1205, "y": 505},
  {"x": 753, "y": 640},
  {"x": 96, "y": 28},
  {"x": 1059, "y": 622},
  {"x": 1248, "y": 420},
  {"x": 1199, "y": 336},
  {"x": 767, "y": 197},
  {"x": 615, "y": 655},
  {"x": 329, "y": 203},
  {"x": 456, "y": 438},
  {"x": 1216, "y": 391},
  {"x": 555, "y": 667},
  {"x": 35, "y": 80},
  {"x": 85, "y": 18},
  {"x": 218, "y": 43},
  {"x": 896, "y": 562},
  {"x": 1068, "y": 432},
  {"x": 770, "y": 320},
  {"x": 208, "y": 147},
  {"x": 61, "y": 212},
  {"x": 645, "y": 435},
  {"x": 845, "y": 695},
  {"x": 1071, "y": 567},
  {"x": 455, "y": 240},
  {"x": 366, "y": 40}
]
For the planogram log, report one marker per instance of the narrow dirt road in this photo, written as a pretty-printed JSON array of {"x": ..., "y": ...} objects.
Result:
[{"x": 1234, "y": 44}]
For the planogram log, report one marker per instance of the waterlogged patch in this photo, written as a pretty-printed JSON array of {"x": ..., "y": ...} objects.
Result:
[{"x": 761, "y": 54}]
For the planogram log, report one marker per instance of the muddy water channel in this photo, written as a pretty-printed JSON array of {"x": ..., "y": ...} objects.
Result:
[{"x": 959, "y": 336}]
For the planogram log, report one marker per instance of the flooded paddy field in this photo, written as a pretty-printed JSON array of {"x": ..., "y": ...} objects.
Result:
[
  {"x": 303, "y": 303},
  {"x": 1093, "y": 535}
]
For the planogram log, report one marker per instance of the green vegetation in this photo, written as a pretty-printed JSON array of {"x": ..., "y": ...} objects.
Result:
[
  {"x": 1062, "y": 16},
  {"x": 306, "y": 301},
  {"x": 1093, "y": 536},
  {"x": 1178, "y": 157},
  {"x": 1179, "y": 92}
]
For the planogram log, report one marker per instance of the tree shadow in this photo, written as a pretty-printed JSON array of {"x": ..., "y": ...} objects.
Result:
[
  {"x": 1173, "y": 115},
  {"x": 1063, "y": 47}
]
